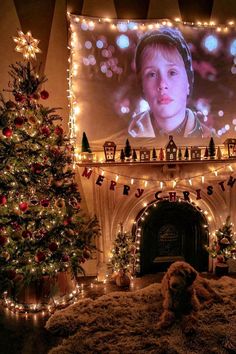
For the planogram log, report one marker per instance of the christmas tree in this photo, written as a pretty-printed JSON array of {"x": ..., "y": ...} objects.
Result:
[
  {"x": 134, "y": 155},
  {"x": 206, "y": 153},
  {"x": 127, "y": 150},
  {"x": 154, "y": 154},
  {"x": 223, "y": 245},
  {"x": 186, "y": 154},
  {"x": 122, "y": 155},
  {"x": 212, "y": 149},
  {"x": 161, "y": 154},
  {"x": 122, "y": 252},
  {"x": 179, "y": 154},
  {"x": 85, "y": 144},
  {"x": 42, "y": 231}
]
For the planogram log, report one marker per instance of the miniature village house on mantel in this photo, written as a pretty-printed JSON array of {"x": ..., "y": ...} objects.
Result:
[
  {"x": 109, "y": 150},
  {"x": 171, "y": 149},
  {"x": 230, "y": 144}
]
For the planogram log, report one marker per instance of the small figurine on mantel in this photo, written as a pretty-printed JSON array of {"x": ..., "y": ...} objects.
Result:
[
  {"x": 230, "y": 144},
  {"x": 86, "y": 152},
  {"x": 109, "y": 151},
  {"x": 161, "y": 155},
  {"x": 144, "y": 154},
  {"x": 171, "y": 149},
  {"x": 218, "y": 153},
  {"x": 127, "y": 150},
  {"x": 134, "y": 155},
  {"x": 195, "y": 153},
  {"x": 212, "y": 149},
  {"x": 154, "y": 154}
]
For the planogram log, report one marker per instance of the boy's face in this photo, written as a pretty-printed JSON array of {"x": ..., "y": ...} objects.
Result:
[{"x": 165, "y": 83}]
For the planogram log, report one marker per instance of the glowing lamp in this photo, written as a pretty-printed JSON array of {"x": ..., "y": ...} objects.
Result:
[
  {"x": 109, "y": 150},
  {"x": 230, "y": 144}
]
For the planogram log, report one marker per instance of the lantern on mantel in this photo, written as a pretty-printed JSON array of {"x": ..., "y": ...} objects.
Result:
[
  {"x": 109, "y": 150},
  {"x": 230, "y": 144}
]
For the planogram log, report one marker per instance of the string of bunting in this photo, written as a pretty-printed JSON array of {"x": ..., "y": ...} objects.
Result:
[{"x": 87, "y": 172}]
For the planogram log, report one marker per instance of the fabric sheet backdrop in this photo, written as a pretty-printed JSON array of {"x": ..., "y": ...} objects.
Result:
[{"x": 104, "y": 83}]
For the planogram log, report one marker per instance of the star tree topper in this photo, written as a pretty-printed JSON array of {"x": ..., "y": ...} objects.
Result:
[{"x": 27, "y": 45}]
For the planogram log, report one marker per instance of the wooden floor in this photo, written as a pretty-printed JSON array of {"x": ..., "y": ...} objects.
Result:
[{"x": 20, "y": 335}]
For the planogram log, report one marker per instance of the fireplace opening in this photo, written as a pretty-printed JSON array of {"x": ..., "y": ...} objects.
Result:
[{"x": 173, "y": 231}]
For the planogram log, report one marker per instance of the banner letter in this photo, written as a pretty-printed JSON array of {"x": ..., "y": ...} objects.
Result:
[
  {"x": 186, "y": 196},
  {"x": 100, "y": 180},
  {"x": 157, "y": 195},
  {"x": 112, "y": 185},
  {"x": 198, "y": 191},
  {"x": 87, "y": 172},
  {"x": 139, "y": 192},
  {"x": 222, "y": 185},
  {"x": 172, "y": 196},
  {"x": 209, "y": 190},
  {"x": 231, "y": 181},
  {"x": 126, "y": 190}
]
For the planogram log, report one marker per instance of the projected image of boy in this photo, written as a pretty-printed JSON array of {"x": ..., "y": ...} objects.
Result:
[{"x": 165, "y": 74}]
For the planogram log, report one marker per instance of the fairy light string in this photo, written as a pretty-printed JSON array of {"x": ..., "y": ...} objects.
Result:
[
  {"x": 118, "y": 177},
  {"x": 90, "y": 23}
]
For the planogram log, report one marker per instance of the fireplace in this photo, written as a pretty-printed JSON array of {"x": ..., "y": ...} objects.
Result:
[{"x": 173, "y": 231}]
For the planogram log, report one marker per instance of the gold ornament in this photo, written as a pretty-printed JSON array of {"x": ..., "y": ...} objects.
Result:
[
  {"x": 60, "y": 203},
  {"x": 27, "y": 45}
]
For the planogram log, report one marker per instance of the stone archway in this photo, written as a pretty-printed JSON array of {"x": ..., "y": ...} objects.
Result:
[{"x": 173, "y": 231}]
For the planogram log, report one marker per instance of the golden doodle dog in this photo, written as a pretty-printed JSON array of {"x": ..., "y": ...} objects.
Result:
[{"x": 184, "y": 293}]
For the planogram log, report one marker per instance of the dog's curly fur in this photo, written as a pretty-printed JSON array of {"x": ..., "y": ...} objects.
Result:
[{"x": 184, "y": 292}]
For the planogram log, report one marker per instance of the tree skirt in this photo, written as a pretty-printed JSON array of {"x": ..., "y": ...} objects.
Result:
[{"x": 125, "y": 323}]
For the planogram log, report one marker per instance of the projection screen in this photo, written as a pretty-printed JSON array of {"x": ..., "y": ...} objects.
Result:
[{"x": 124, "y": 83}]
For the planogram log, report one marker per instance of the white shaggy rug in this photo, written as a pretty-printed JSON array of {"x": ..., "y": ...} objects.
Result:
[{"x": 125, "y": 323}]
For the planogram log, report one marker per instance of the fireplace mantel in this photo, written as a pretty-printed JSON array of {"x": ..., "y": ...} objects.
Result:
[{"x": 157, "y": 162}]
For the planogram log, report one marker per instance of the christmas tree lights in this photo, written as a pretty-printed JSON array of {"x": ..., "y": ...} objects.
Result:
[
  {"x": 223, "y": 244},
  {"x": 42, "y": 232}
]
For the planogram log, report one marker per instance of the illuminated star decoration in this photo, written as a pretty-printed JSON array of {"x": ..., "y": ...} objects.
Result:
[{"x": 26, "y": 45}]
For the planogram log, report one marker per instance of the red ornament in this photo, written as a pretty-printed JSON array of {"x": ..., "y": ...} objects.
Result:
[
  {"x": 7, "y": 132},
  {"x": 15, "y": 226},
  {"x": 36, "y": 168},
  {"x": 10, "y": 104},
  {"x": 3, "y": 200},
  {"x": 36, "y": 96},
  {"x": 53, "y": 246},
  {"x": 23, "y": 206},
  {"x": 86, "y": 254},
  {"x": 220, "y": 259},
  {"x": 67, "y": 221},
  {"x": 40, "y": 233},
  {"x": 3, "y": 240},
  {"x": 19, "y": 97},
  {"x": 19, "y": 121},
  {"x": 11, "y": 274},
  {"x": 58, "y": 130},
  {"x": 40, "y": 256},
  {"x": 44, "y": 94},
  {"x": 65, "y": 258},
  {"x": 45, "y": 203},
  {"x": 26, "y": 234},
  {"x": 55, "y": 152},
  {"x": 45, "y": 131},
  {"x": 32, "y": 120}
]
